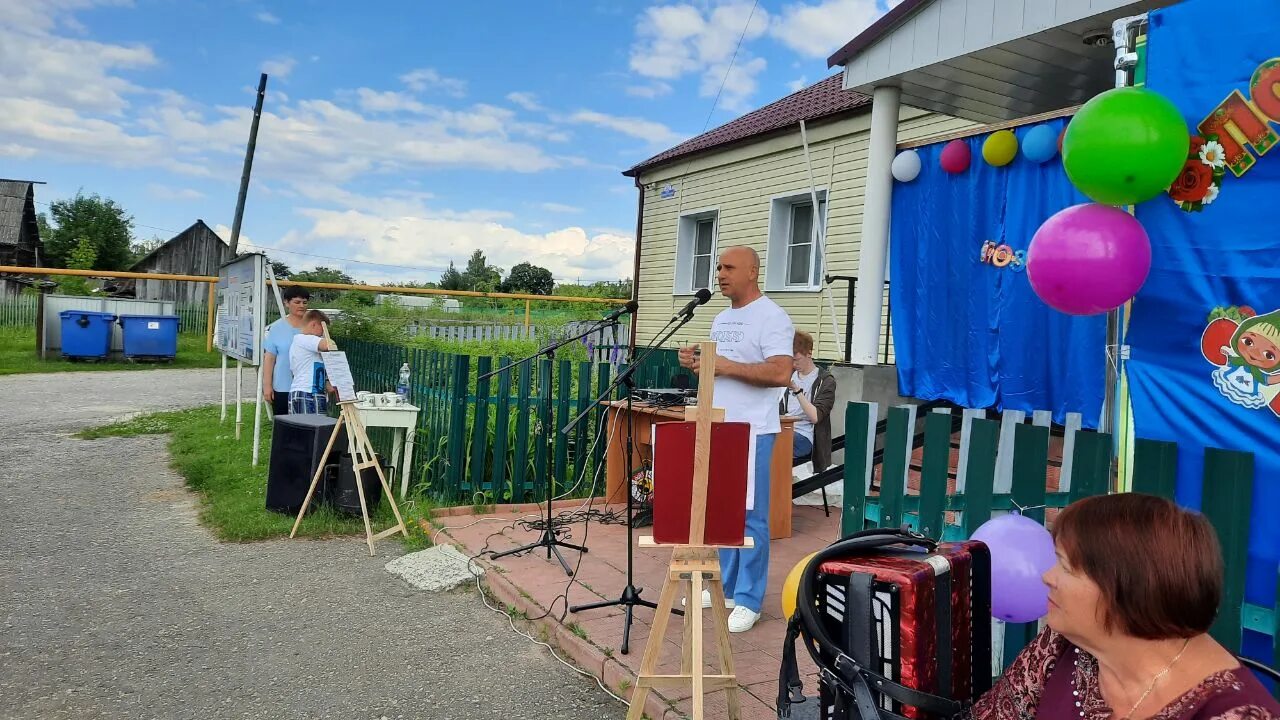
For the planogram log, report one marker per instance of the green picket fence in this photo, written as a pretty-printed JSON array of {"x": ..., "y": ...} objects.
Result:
[
  {"x": 945, "y": 475},
  {"x": 492, "y": 440}
]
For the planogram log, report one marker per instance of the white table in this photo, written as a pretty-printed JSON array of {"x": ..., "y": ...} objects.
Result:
[{"x": 403, "y": 418}]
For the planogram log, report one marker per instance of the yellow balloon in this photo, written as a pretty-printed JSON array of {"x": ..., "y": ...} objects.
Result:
[
  {"x": 1000, "y": 148},
  {"x": 791, "y": 587}
]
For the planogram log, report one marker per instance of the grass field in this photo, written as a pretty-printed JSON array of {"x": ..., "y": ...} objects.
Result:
[
  {"x": 233, "y": 492},
  {"x": 18, "y": 355}
]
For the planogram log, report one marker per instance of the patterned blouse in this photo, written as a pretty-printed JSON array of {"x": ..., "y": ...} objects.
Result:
[{"x": 1053, "y": 680}]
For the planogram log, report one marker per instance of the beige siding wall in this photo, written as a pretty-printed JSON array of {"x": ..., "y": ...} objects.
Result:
[{"x": 740, "y": 184}]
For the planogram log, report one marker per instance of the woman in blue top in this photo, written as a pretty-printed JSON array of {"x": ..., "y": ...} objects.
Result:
[{"x": 280, "y": 334}]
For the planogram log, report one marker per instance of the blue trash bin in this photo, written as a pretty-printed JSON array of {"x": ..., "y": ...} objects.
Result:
[
  {"x": 150, "y": 336},
  {"x": 86, "y": 333}
]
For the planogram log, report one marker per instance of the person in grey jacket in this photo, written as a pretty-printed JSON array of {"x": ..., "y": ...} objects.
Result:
[{"x": 809, "y": 399}]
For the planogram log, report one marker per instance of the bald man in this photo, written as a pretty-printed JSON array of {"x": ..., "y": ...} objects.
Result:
[{"x": 753, "y": 360}]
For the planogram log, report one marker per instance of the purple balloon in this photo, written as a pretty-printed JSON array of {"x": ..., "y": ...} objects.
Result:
[
  {"x": 1088, "y": 259},
  {"x": 1021, "y": 552}
]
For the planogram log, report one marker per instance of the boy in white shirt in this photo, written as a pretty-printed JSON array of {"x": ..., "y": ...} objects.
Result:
[{"x": 308, "y": 393}]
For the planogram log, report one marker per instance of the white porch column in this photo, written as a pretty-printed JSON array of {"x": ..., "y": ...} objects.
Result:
[{"x": 869, "y": 294}]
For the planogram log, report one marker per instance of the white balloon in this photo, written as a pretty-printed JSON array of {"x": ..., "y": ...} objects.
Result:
[{"x": 906, "y": 166}]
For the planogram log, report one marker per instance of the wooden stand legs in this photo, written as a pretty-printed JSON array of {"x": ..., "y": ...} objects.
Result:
[{"x": 693, "y": 569}]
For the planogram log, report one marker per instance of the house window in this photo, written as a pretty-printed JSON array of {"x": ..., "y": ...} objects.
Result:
[
  {"x": 794, "y": 260},
  {"x": 695, "y": 252}
]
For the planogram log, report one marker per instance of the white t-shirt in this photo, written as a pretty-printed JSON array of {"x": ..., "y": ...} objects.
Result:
[
  {"x": 750, "y": 334},
  {"x": 306, "y": 365},
  {"x": 802, "y": 426}
]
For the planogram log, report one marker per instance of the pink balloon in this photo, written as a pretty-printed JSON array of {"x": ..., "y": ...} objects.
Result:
[
  {"x": 955, "y": 157},
  {"x": 1088, "y": 259}
]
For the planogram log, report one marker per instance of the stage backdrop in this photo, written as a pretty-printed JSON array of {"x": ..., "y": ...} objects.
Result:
[
  {"x": 1204, "y": 335},
  {"x": 967, "y": 326}
]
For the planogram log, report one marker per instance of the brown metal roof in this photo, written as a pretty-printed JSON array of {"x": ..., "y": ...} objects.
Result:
[
  {"x": 876, "y": 30},
  {"x": 820, "y": 100}
]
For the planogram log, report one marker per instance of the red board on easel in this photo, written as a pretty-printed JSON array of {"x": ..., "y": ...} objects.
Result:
[{"x": 726, "y": 516}]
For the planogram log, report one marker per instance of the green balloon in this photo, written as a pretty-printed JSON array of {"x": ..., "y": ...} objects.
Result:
[{"x": 1125, "y": 146}]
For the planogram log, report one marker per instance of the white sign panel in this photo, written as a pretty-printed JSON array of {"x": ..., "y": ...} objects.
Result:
[
  {"x": 339, "y": 372},
  {"x": 241, "y": 326}
]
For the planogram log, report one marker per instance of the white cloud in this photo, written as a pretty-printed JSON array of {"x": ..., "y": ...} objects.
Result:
[
  {"x": 649, "y": 90},
  {"x": 569, "y": 253},
  {"x": 388, "y": 102},
  {"x": 165, "y": 192},
  {"x": 676, "y": 40},
  {"x": 17, "y": 151},
  {"x": 267, "y": 18},
  {"x": 279, "y": 67},
  {"x": 739, "y": 81},
  {"x": 798, "y": 84},
  {"x": 816, "y": 30},
  {"x": 648, "y": 130},
  {"x": 559, "y": 207},
  {"x": 526, "y": 100},
  {"x": 427, "y": 79}
]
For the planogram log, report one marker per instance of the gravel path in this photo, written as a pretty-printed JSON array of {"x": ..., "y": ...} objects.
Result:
[{"x": 114, "y": 602}]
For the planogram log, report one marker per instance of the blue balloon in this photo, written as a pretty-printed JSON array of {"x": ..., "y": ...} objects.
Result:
[{"x": 1040, "y": 144}]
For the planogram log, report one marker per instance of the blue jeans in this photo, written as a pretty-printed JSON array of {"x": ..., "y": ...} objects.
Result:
[
  {"x": 746, "y": 572},
  {"x": 802, "y": 447}
]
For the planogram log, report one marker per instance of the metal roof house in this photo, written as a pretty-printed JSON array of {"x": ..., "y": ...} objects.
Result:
[
  {"x": 748, "y": 182},
  {"x": 994, "y": 62}
]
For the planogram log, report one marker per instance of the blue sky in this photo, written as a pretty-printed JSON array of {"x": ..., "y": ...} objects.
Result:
[{"x": 401, "y": 133}]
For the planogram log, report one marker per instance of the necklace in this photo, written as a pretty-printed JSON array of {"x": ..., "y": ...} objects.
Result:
[{"x": 1150, "y": 687}]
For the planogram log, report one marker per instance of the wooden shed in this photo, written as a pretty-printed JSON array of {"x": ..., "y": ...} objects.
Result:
[
  {"x": 19, "y": 231},
  {"x": 195, "y": 251}
]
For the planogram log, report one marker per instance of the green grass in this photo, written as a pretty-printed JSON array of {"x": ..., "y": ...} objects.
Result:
[
  {"x": 18, "y": 355},
  {"x": 233, "y": 492}
]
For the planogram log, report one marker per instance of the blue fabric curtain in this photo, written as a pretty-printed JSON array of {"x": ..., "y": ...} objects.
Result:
[
  {"x": 968, "y": 331},
  {"x": 1221, "y": 263}
]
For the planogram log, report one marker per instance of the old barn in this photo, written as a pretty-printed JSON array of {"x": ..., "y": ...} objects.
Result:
[{"x": 195, "y": 251}]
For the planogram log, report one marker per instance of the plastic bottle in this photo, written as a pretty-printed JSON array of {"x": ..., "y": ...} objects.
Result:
[{"x": 402, "y": 387}]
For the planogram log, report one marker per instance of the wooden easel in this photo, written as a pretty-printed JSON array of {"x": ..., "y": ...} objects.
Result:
[
  {"x": 692, "y": 566},
  {"x": 362, "y": 457}
]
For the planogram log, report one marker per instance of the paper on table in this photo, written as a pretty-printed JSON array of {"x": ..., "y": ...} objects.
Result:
[{"x": 339, "y": 372}]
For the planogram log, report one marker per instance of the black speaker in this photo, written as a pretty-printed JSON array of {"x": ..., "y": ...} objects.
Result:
[
  {"x": 343, "y": 492},
  {"x": 297, "y": 444}
]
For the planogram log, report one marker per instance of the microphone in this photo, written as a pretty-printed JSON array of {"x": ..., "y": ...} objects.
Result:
[
  {"x": 630, "y": 307},
  {"x": 699, "y": 298}
]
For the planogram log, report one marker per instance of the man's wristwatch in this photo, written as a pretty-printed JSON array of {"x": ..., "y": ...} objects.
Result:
[{"x": 798, "y": 393}]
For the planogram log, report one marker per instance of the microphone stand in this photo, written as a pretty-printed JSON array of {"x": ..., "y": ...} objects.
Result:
[
  {"x": 630, "y": 596},
  {"x": 548, "y": 538}
]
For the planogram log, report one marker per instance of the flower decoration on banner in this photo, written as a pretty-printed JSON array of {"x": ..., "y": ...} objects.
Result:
[{"x": 1201, "y": 178}]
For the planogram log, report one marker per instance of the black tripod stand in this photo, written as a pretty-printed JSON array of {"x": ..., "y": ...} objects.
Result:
[
  {"x": 548, "y": 538},
  {"x": 630, "y": 597}
]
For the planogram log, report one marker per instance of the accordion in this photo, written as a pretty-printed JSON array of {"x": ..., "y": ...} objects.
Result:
[{"x": 919, "y": 618}]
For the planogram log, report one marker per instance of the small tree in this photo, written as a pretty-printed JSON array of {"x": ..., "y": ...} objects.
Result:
[
  {"x": 480, "y": 275},
  {"x": 280, "y": 270},
  {"x": 451, "y": 279},
  {"x": 529, "y": 278},
  {"x": 82, "y": 257}
]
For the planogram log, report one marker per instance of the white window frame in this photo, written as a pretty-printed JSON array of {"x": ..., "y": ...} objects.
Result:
[
  {"x": 686, "y": 245},
  {"x": 777, "y": 257}
]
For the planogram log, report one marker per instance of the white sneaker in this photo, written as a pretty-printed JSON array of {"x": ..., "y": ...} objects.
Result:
[
  {"x": 706, "y": 600},
  {"x": 742, "y": 619}
]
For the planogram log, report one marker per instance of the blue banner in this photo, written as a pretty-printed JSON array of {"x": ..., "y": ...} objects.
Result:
[
  {"x": 967, "y": 327},
  {"x": 1204, "y": 335}
]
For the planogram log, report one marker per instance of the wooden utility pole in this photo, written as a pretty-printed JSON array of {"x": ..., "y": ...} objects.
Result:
[{"x": 248, "y": 164}]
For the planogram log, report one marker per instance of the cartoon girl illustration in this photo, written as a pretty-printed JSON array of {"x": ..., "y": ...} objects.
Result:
[{"x": 1246, "y": 348}]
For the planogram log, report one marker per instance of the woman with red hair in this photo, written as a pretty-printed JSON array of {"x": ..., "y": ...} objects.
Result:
[{"x": 1136, "y": 587}]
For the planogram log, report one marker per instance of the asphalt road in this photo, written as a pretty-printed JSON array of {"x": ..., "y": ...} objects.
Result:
[{"x": 116, "y": 603}]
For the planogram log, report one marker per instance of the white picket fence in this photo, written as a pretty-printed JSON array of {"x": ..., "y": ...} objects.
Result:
[{"x": 603, "y": 342}]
